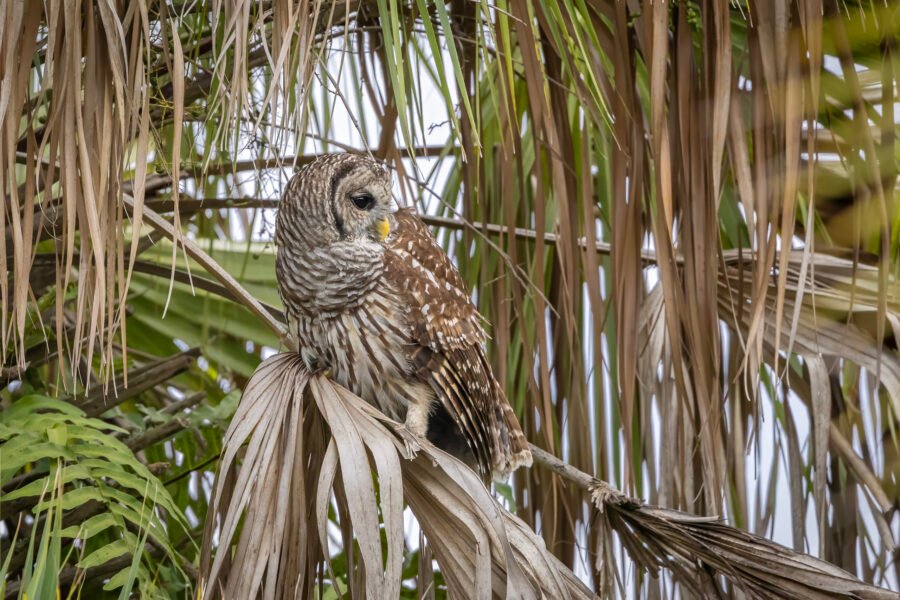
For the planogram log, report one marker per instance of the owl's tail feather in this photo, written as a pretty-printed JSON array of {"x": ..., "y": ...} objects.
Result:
[{"x": 514, "y": 451}]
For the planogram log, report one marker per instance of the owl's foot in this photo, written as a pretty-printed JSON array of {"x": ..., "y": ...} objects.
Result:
[
  {"x": 318, "y": 368},
  {"x": 410, "y": 440}
]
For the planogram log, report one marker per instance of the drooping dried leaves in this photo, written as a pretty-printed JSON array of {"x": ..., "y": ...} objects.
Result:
[
  {"x": 310, "y": 443},
  {"x": 69, "y": 110},
  {"x": 96, "y": 95},
  {"x": 703, "y": 552},
  {"x": 831, "y": 313}
]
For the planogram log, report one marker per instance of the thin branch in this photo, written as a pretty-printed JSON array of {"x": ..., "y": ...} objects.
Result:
[
  {"x": 192, "y": 206},
  {"x": 157, "y": 434},
  {"x": 212, "y": 267},
  {"x": 197, "y": 282}
]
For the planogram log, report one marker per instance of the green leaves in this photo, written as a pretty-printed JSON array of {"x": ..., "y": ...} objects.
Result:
[{"x": 86, "y": 471}]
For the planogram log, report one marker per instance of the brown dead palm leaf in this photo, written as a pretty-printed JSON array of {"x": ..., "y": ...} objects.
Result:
[
  {"x": 698, "y": 549},
  {"x": 702, "y": 552},
  {"x": 305, "y": 443}
]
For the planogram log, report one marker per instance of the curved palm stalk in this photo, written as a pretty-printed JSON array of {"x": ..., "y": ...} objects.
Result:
[{"x": 697, "y": 549}]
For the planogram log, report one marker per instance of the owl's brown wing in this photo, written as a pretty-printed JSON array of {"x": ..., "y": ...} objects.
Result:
[{"x": 450, "y": 353}]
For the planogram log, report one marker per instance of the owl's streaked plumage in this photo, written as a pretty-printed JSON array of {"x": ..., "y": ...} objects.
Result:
[{"x": 370, "y": 296}]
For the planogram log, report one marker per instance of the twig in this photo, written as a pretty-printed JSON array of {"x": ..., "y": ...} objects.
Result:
[
  {"x": 187, "y": 207},
  {"x": 195, "y": 281},
  {"x": 563, "y": 469},
  {"x": 7, "y": 374},
  {"x": 212, "y": 267},
  {"x": 687, "y": 544},
  {"x": 193, "y": 469}
]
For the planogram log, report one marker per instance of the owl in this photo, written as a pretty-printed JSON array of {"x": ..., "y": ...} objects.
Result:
[{"x": 371, "y": 297}]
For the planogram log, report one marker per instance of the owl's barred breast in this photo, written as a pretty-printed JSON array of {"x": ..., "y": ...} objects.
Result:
[
  {"x": 351, "y": 323},
  {"x": 359, "y": 346}
]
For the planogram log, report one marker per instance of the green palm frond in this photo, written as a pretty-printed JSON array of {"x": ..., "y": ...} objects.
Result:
[{"x": 84, "y": 484}]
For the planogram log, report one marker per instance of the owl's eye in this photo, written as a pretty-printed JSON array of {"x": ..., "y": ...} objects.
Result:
[{"x": 363, "y": 201}]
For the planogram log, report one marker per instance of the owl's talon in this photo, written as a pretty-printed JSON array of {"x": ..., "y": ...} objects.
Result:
[{"x": 410, "y": 441}]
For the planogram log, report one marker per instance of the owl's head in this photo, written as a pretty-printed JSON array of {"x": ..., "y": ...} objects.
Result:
[{"x": 338, "y": 197}]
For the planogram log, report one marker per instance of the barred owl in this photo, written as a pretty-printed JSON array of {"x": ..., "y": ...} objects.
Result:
[{"x": 371, "y": 297}]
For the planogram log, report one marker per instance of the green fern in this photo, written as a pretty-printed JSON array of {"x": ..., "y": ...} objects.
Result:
[{"x": 81, "y": 466}]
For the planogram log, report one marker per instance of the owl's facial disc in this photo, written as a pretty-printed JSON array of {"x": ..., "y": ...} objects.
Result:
[{"x": 361, "y": 202}]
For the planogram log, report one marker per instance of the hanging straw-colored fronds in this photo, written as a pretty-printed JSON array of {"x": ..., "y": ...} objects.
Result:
[
  {"x": 831, "y": 307},
  {"x": 74, "y": 78},
  {"x": 95, "y": 96}
]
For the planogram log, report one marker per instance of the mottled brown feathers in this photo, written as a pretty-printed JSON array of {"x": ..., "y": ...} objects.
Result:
[{"x": 391, "y": 318}]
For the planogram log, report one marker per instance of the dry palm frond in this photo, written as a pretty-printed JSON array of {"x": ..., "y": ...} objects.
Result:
[
  {"x": 698, "y": 550},
  {"x": 831, "y": 307},
  {"x": 309, "y": 441},
  {"x": 73, "y": 101},
  {"x": 96, "y": 95}
]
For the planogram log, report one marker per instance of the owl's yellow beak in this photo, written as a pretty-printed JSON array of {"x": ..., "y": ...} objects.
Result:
[{"x": 383, "y": 227}]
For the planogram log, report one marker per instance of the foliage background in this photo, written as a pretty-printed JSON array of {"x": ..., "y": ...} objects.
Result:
[{"x": 678, "y": 218}]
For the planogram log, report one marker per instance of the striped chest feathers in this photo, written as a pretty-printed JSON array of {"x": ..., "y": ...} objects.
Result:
[{"x": 366, "y": 348}]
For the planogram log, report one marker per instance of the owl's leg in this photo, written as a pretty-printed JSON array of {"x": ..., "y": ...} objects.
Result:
[
  {"x": 417, "y": 418},
  {"x": 416, "y": 425}
]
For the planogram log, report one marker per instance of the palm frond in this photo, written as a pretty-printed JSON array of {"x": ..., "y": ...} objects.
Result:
[
  {"x": 308, "y": 443},
  {"x": 94, "y": 491}
]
